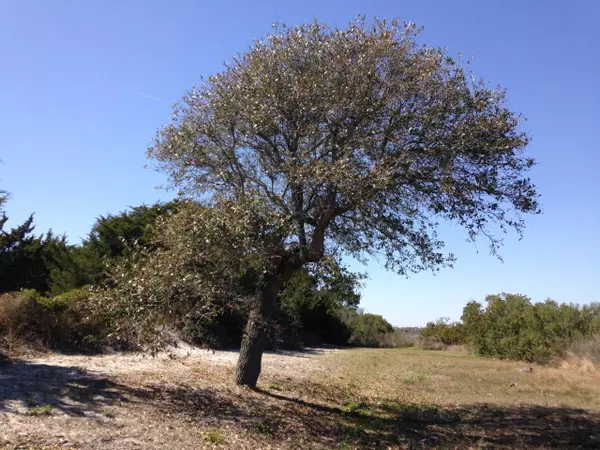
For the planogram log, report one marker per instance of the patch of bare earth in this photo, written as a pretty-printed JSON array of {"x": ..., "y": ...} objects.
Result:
[{"x": 322, "y": 399}]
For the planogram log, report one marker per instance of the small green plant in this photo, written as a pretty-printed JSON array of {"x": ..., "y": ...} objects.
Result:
[
  {"x": 40, "y": 410},
  {"x": 275, "y": 386},
  {"x": 214, "y": 436},
  {"x": 344, "y": 445},
  {"x": 356, "y": 407},
  {"x": 106, "y": 412}
]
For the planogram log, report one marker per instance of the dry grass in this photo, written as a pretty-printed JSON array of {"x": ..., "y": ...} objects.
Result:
[
  {"x": 23, "y": 322},
  {"x": 585, "y": 352},
  {"x": 456, "y": 378},
  {"x": 381, "y": 398}
]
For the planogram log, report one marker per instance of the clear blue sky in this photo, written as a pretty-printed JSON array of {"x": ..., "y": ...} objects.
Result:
[{"x": 85, "y": 85}]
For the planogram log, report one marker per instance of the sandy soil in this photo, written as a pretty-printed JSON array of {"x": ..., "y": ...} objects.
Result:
[{"x": 172, "y": 400}]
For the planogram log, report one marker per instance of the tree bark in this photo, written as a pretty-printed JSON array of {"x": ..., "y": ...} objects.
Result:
[{"x": 255, "y": 335}]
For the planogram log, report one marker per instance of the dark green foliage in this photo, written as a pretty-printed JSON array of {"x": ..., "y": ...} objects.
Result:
[
  {"x": 367, "y": 330},
  {"x": 28, "y": 261},
  {"x": 307, "y": 315},
  {"x": 112, "y": 237},
  {"x": 115, "y": 236},
  {"x": 223, "y": 330},
  {"x": 312, "y": 301}
]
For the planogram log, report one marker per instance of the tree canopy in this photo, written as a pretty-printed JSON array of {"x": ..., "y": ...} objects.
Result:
[{"x": 358, "y": 137}]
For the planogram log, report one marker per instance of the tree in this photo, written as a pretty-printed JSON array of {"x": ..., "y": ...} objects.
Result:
[
  {"x": 354, "y": 140},
  {"x": 367, "y": 329},
  {"x": 3, "y": 199},
  {"x": 28, "y": 261},
  {"x": 115, "y": 235}
]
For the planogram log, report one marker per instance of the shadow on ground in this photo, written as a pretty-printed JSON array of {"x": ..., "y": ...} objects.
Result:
[
  {"x": 479, "y": 425},
  {"x": 280, "y": 417},
  {"x": 31, "y": 388},
  {"x": 389, "y": 425}
]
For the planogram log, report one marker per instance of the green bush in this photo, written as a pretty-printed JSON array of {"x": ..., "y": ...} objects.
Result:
[
  {"x": 512, "y": 327},
  {"x": 366, "y": 330},
  {"x": 445, "y": 332},
  {"x": 75, "y": 327}
]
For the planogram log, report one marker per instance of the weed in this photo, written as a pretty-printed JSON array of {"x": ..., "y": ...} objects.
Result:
[
  {"x": 40, "y": 410},
  {"x": 214, "y": 436},
  {"x": 106, "y": 412},
  {"x": 275, "y": 386},
  {"x": 356, "y": 407}
]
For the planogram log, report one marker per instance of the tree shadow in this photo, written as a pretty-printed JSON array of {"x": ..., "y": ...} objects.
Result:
[
  {"x": 27, "y": 386},
  {"x": 479, "y": 425}
]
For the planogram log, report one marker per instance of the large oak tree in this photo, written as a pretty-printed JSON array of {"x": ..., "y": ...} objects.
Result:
[{"x": 357, "y": 139}]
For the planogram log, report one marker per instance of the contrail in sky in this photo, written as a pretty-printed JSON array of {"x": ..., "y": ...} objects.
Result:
[{"x": 151, "y": 97}]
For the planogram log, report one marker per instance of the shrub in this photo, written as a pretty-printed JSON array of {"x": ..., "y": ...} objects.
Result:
[
  {"x": 23, "y": 321},
  {"x": 63, "y": 322},
  {"x": 397, "y": 338},
  {"x": 511, "y": 326},
  {"x": 366, "y": 330},
  {"x": 430, "y": 343},
  {"x": 445, "y": 332},
  {"x": 75, "y": 327}
]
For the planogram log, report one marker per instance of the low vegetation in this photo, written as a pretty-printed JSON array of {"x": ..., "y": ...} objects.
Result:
[
  {"x": 30, "y": 321},
  {"x": 586, "y": 350}
]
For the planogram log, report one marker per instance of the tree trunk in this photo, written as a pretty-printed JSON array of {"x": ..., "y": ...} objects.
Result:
[{"x": 255, "y": 335}]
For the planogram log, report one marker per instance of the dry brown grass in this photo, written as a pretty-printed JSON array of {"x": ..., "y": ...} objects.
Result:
[
  {"x": 379, "y": 398},
  {"x": 457, "y": 378},
  {"x": 24, "y": 325},
  {"x": 585, "y": 352}
]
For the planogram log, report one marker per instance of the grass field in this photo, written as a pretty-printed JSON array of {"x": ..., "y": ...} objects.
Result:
[{"x": 327, "y": 399}]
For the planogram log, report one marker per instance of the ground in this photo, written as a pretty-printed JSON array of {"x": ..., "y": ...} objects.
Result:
[{"x": 322, "y": 399}]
